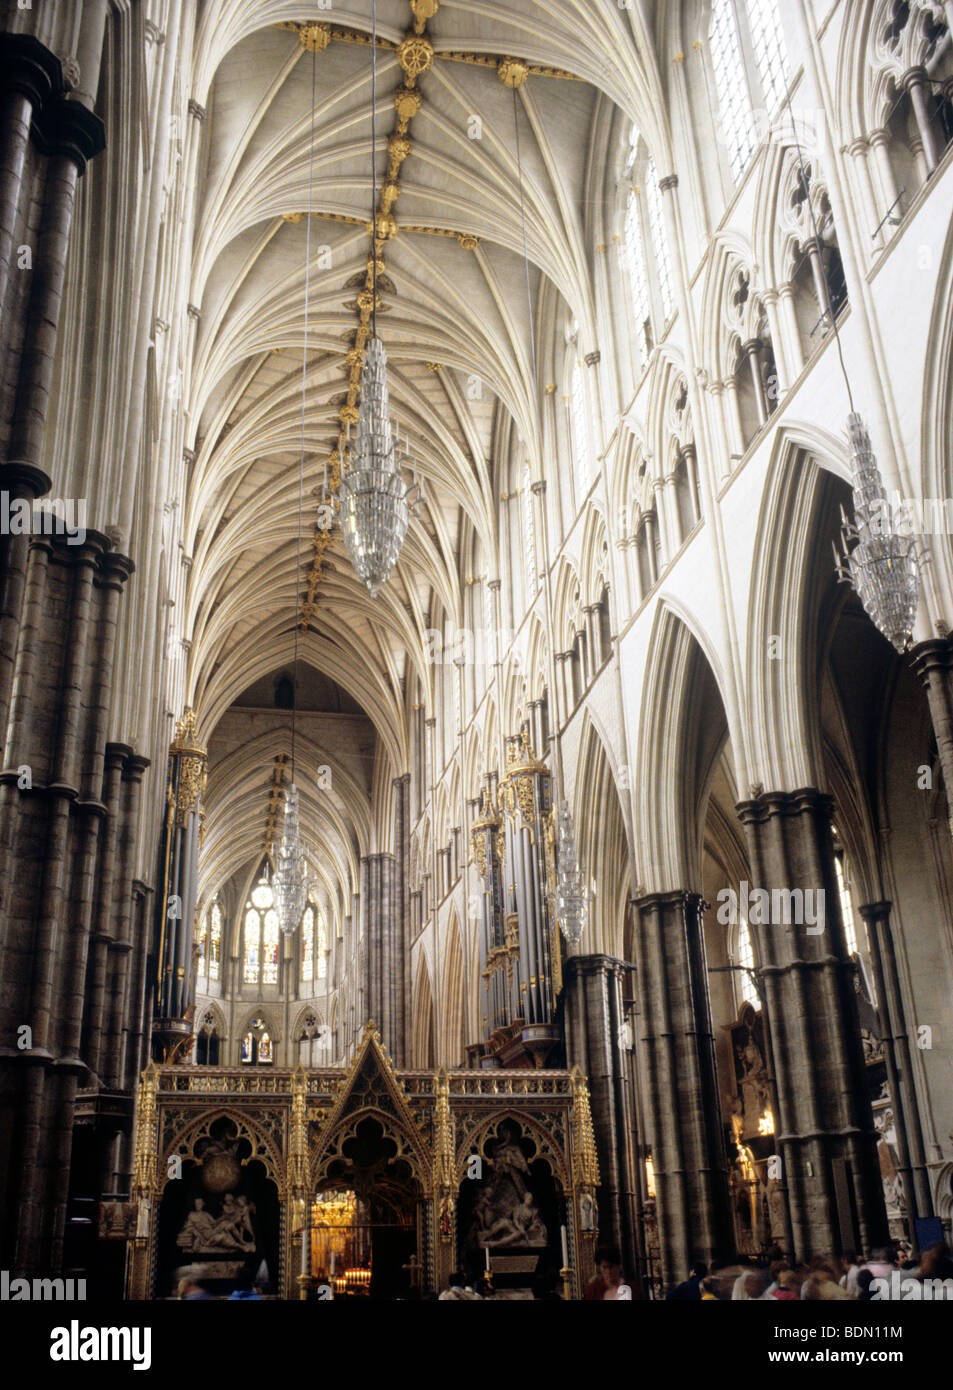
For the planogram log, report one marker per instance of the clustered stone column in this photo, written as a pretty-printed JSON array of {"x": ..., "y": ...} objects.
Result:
[
  {"x": 70, "y": 1000},
  {"x": 402, "y": 906},
  {"x": 933, "y": 664},
  {"x": 677, "y": 1062},
  {"x": 594, "y": 1019},
  {"x": 175, "y": 909},
  {"x": 898, "y": 1059},
  {"x": 825, "y": 1131},
  {"x": 382, "y": 929},
  {"x": 73, "y": 923}
]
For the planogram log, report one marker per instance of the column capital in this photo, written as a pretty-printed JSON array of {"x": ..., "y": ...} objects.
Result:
[
  {"x": 538, "y": 487},
  {"x": 69, "y": 128},
  {"x": 592, "y": 359},
  {"x": 30, "y": 68},
  {"x": 675, "y": 897},
  {"x": 760, "y": 807},
  {"x": 875, "y": 912},
  {"x": 932, "y": 657},
  {"x": 24, "y": 480},
  {"x": 913, "y": 77},
  {"x": 668, "y": 184}
]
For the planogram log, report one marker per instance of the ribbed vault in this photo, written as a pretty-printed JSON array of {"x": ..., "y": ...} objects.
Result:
[{"x": 268, "y": 373}]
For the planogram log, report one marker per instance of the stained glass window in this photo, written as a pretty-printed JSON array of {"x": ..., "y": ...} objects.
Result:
[
  {"x": 215, "y": 940},
  {"x": 264, "y": 1048},
  {"x": 261, "y": 942},
  {"x": 322, "y": 949},
  {"x": 269, "y": 973},
  {"x": 307, "y": 944},
  {"x": 248, "y": 1047},
  {"x": 252, "y": 946},
  {"x": 202, "y": 968}
]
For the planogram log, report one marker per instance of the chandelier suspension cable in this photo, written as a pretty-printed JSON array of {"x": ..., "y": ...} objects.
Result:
[
  {"x": 881, "y": 565},
  {"x": 568, "y": 903},
  {"x": 374, "y": 167},
  {"x": 304, "y": 399},
  {"x": 290, "y": 880},
  {"x": 376, "y": 504},
  {"x": 828, "y": 306},
  {"x": 534, "y": 376}
]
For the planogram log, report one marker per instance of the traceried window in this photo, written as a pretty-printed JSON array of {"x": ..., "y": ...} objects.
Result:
[
  {"x": 257, "y": 1044},
  {"x": 754, "y": 26},
  {"x": 210, "y": 943},
  {"x": 216, "y": 919},
  {"x": 321, "y": 948},
  {"x": 260, "y": 936},
  {"x": 645, "y": 249},
  {"x": 770, "y": 51},
  {"x": 734, "y": 100},
  {"x": 529, "y": 531},
  {"x": 842, "y": 871},
  {"x": 579, "y": 428},
  {"x": 633, "y": 252},
  {"x": 269, "y": 955},
  {"x": 252, "y": 947},
  {"x": 307, "y": 945},
  {"x": 659, "y": 240},
  {"x": 744, "y": 952}
]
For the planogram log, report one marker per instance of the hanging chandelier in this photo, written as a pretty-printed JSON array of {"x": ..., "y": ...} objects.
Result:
[
  {"x": 570, "y": 896},
  {"x": 875, "y": 559},
  {"x": 291, "y": 881},
  {"x": 375, "y": 502},
  {"x": 878, "y": 562}
]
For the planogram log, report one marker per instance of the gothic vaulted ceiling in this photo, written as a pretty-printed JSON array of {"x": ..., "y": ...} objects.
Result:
[{"x": 287, "y": 95}]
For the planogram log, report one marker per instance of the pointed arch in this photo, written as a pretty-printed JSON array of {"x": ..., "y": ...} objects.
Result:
[
  {"x": 674, "y": 753},
  {"x": 781, "y": 695},
  {"x": 453, "y": 1021},
  {"x": 424, "y": 1033}
]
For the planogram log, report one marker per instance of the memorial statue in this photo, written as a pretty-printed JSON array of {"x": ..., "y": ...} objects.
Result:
[{"x": 231, "y": 1232}]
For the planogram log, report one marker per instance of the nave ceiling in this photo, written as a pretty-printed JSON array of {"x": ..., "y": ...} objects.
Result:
[{"x": 453, "y": 315}]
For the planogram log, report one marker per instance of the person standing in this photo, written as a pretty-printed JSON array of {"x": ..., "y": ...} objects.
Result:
[
  {"x": 609, "y": 1265},
  {"x": 458, "y": 1289}
]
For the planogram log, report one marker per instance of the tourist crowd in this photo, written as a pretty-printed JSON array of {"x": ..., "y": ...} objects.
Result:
[{"x": 891, "y": 1272}]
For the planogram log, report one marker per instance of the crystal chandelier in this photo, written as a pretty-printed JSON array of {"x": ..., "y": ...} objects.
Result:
[
  {"x": 290, "y": 882},
  {"x": 878, "y": 562},
  {"x": 570, "y": 896},
  {"x": 375, "y": 502}
]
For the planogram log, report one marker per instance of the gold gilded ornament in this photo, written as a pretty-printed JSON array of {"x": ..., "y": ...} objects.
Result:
[
  {"x": 315, "y": 37},
  {"x": 415, "y": 56},
  {"x": 512, "y": 72},
  {"x": 386, "y": 228},
  {"x": 407, "y": 102},
  {"x": 424, "y": 10}
]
